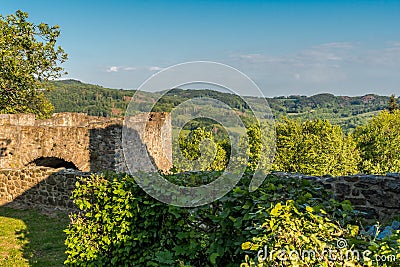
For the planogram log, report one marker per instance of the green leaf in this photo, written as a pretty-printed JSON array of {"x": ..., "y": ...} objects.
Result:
[{"x": 213, "y": 258}]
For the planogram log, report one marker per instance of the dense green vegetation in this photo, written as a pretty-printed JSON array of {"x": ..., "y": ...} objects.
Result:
[
  {"x": 348, "y": 112},
  {"x": 212, "y": 157},
  {"x": 315, "y": 148},
  {"x": 303, "y": 235},
  {"x": 311, "y": 147},
  {"x": 29, "y": 58},
  {"x": 379, "y": 143},
  {"x": 121, "y": 225},
  {"x": 74, "y": 96}
]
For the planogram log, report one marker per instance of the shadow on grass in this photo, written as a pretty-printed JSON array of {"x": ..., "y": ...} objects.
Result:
[{"x": 31, "y": 238}]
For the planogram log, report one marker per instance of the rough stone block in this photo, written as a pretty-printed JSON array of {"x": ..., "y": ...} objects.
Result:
[
  {"x": 342, "y": 189},
  {"x": 393, "y": 186},
  {"x": 352, "y": 179},
  {"x": 357, "y": 201}
]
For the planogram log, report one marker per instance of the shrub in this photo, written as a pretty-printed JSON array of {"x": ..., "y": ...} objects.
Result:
[
  {"x": 379, "y": 143},
  {"x": 314, "y": 148},
  {"x": 301, "y": 235},
  {"x": 194, "y": 154},
  {"x": 120, "y": 225}
]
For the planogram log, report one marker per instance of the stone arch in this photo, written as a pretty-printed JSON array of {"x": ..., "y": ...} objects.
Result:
[
  {"x": 65, "y": 159},
  {"x": 66, "y": 144}
]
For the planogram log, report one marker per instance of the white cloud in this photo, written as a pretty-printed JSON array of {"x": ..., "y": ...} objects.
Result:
[
  {"x": 122, "y": 68},
  {"x": 318, "y": 55},
  {"x": 119, "y": 68},
  {"x": 388, "y": 57},
  {"x": 251, "y": 56},
  {"x": 129, "y": 68},
  {"x": 113, "y": 69},
  {"x": 155, "y": 68}
]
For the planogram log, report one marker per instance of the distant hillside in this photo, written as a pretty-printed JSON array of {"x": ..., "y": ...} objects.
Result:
[
  {"x": 346, "y": 111},
  {"x": 349, "y": 112},
  {"x": 95, "y": 100}
]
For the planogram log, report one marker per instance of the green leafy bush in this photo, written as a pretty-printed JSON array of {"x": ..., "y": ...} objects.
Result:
[
  {"x": 206, "y": 157},
  {"x": 315, "y": 148},
  {"x": 379, "y": 143},
  {"x": 302, "y": 235},
  {"x": 120, "y": 225},
  {"x": 261, "y": 145}
]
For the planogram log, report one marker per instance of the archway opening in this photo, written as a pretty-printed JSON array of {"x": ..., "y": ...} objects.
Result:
[{"x": 53, "y": 162}]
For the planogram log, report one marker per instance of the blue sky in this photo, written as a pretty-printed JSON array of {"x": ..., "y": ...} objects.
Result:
[{"x": 286, "y": 47}]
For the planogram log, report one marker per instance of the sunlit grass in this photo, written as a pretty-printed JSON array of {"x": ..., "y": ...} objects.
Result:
[
  {"x": 29, "y": 238},
  {"x": 11, "y": 243}
]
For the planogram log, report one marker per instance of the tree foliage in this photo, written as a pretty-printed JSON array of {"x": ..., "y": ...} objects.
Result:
[
  {"x": 315, "y": 148},
  {"x": 261, "y": 145},
  {"x": 379, "y": 143},
  {"x": 94, "y": 100},
  {"x": 29, "y": 58},
  {"x": 121, "y": 225},
  {"x": 303, "y": 235},
  {"x": 199, "y": 151}
]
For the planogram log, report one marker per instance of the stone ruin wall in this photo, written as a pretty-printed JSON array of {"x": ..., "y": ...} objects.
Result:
[
  {"x": 48, "y": 188},
  {"x": 375, "y": 195},
  {"x": 38, "y": 187},
  {"x": 90, "y": 143}
]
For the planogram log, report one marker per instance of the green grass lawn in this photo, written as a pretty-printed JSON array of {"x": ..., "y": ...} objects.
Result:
[{"x": 29, "y": 238}]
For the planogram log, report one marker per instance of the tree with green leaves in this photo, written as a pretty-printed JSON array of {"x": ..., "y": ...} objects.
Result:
[
  {"x": 260, "y": 145},
  {"x": 314, "y": 147},
  {"x": 199, "y": 151},
  {"x": 29, "y": 59},
  {"x": 392, "y": 104},
  {"x": 379, "y": 143}
]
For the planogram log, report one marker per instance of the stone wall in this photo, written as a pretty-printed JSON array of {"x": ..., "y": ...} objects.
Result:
[
  {"x": 377, "y": 196},
  {"x": 38, "y": 187},
  {"x": 90, "y": 143}
]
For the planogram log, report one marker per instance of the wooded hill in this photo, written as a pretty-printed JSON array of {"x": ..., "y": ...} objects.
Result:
[{"x": 346, "y": 111}]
